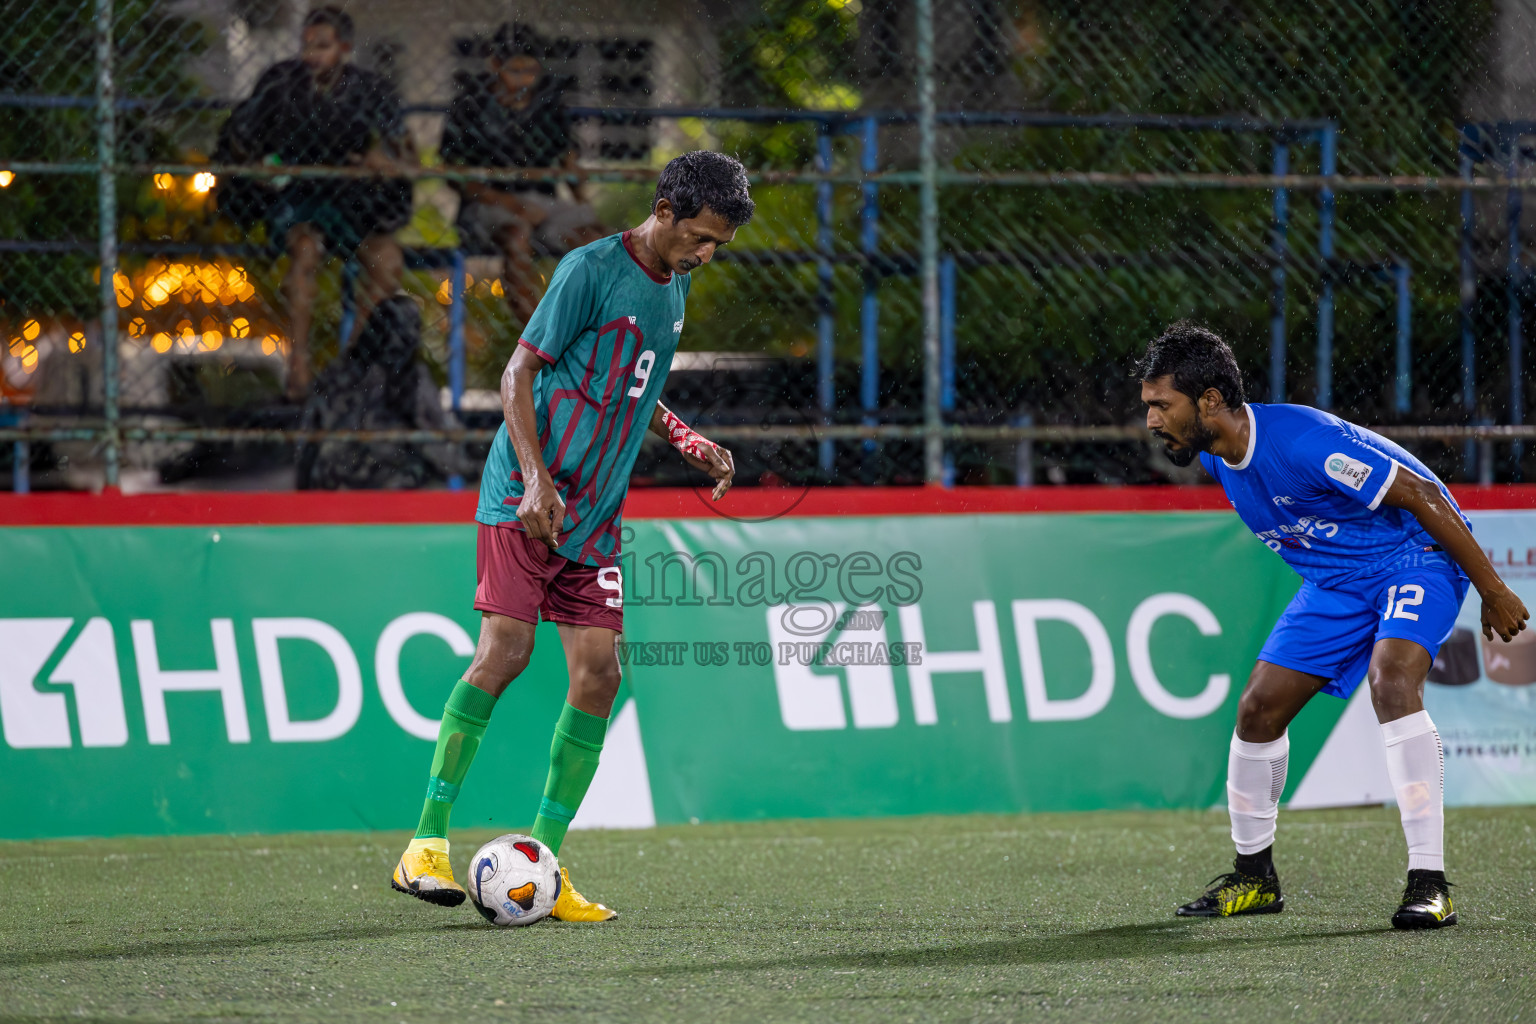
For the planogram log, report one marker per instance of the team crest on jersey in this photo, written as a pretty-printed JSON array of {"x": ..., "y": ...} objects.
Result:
[
  {"x": 1347, "y": 471},
  {"x": 630, "y": 319},
  {"x": 677, "y": 328}
]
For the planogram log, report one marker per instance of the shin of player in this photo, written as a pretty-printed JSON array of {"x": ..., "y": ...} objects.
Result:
[{"x": 1386, "y": 559}]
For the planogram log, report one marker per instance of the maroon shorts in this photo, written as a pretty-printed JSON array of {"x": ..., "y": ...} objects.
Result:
[{"x": 521, "y": 578}]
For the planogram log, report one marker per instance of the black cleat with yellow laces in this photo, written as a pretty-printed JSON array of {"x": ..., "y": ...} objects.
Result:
[
  {"x": 1426, "y": 902},
  {"x": 1236, "y": 893}
]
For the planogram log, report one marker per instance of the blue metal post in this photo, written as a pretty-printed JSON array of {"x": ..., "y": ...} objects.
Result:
[
  {"x": 869, "y": 306},
  {"x": 21, "y": 474},
  {"x": 1328, "y": 160},
  {"x": 456, "y": 344},
  {"x": 456, "y": 329},
  {"x": 348, "y": 305},
  {"x": 947, "y": 353},
  {"x": 1024, "y": 454},
  {"x": 1468, "y": 299},
  {"x": 1516, "y": 329},
  {"x": 825, "y": 393},
  {"x": 1278, "y": 247},
  {"x": 1404, "y": 389}
]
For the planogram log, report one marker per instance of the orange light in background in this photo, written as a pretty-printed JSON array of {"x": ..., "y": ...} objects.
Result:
[
  {"x": 161, "y": 342},
  {"x": 239, "y": 283},
  {"x": 31, "y": 329},
  {"x": 137, "y": 327},
  {"x": 124, "y": 289},
  {"x": 445, "y": 294},
  {"x": 164, "y": 182},
  {"x": 240, "y": 328},
  {"x": 212, "y": 340},
  {"x": 210, "y": 282},
  {"x": 202, "y": 181},
  {"x": 6, "y": 177},
  {"x": 26, "y": 353},
  {"x": 76, "y": 342},
  {"x": 496, "y": 288},
  {"x": 273, "y": 343}
]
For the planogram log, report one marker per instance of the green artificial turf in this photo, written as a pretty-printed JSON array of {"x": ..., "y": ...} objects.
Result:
[{"x": 1061, "y": 916}]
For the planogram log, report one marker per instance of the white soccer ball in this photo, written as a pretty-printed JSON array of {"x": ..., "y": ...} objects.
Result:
[{"x": 514, "y": 880}]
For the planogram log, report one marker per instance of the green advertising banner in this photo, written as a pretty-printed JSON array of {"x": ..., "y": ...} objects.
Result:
[
  {"x": 1031, "y": 662},
  {"x": 194, "y": 679}
]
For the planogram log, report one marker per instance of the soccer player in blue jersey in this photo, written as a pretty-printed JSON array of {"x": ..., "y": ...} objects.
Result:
[
  {"x": 1386, "y": 557},
  {"x": 579, "y": 393}
]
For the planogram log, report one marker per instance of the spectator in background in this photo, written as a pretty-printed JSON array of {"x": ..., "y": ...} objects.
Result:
[
  {"x": 321, "y": 110},
  {"x": 513, "y": 116}
]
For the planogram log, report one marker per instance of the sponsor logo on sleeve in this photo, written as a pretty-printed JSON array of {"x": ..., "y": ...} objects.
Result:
[{"x": 1350, "y": 472}]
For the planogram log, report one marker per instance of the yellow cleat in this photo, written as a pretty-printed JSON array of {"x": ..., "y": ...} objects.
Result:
[
  {"x": 571, "y": 905},
  {"x": 424, "y": 872}
]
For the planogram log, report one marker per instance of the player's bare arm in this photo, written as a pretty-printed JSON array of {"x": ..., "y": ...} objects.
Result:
[
  {"x": 1503, "y": 612},
  {"x": 542, "y": 510},
  {"x": 697, "y": 450}
]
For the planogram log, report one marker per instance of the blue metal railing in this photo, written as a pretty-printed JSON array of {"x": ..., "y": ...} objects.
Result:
[{"x": 864, "y": 126}]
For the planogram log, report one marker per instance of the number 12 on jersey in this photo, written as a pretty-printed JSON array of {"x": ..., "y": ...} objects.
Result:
[{"x": 1399, "y": 599}]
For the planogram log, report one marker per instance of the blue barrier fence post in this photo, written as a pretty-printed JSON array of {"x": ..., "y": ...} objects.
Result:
[
  {"x": 1468, "y": 298},
  {"x": 1404, "y": 383},
  {"x": 456, "y": 355},
  {"x": 21, "y": 474},
  {"x": 1278, "y": 248},
  {"x": 1024, "y": 454},
  {"x": 1514, "y": 274},
  {"x": 1328, "y": 167},
  {"x": 349, "y": 271},
  {"x": 825, "y": 391},
  {"x": 947, "y": 354},
  {"x": 869, "y": 306}
]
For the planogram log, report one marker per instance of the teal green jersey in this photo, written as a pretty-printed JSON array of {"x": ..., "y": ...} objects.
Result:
[{"x": 607, "y": 328}]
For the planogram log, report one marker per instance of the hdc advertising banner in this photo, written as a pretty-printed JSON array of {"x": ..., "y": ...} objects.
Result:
[{"x": 162, "y": 680}]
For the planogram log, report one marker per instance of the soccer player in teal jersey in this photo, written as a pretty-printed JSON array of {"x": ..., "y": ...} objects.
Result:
[{"x": 579, "y": 392}]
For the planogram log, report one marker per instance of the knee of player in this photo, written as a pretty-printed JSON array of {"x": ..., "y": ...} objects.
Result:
[
  {"x": 600, "y": 677},
  {"x": 1393, "y": 695},
  {"x": 1257, "y": 719}
]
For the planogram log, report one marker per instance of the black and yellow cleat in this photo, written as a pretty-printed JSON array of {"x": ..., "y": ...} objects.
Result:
[
  {"x": 1236, "y": 893},
  {"x": 1426, "y": 902},
  {"x": 424, "y": 872}
]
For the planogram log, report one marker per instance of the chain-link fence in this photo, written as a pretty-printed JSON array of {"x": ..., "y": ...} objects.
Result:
[{"x": 324, "y": 228}]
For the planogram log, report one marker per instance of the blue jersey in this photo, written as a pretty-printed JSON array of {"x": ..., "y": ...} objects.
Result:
[{"x": 1311, "y": 487}]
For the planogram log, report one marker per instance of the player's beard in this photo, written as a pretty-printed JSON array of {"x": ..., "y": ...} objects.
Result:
[{"x": 1200, "y": 440}]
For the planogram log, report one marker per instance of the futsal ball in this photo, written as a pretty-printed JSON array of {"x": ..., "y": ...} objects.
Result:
[{"x": 514, "y": 880}]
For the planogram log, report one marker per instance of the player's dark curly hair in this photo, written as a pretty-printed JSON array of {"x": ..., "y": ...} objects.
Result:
[
  {"x": 701, "y": 178},
  {"x": 1197, "y": 360}
]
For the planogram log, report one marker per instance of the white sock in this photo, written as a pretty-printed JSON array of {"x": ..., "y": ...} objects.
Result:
[
  {"x": 1416, "y": 765},
  {"x": 1255, "y": 778}
]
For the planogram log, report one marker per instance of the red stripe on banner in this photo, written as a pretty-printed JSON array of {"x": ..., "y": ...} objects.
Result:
[{"x": 240, "y": 508}]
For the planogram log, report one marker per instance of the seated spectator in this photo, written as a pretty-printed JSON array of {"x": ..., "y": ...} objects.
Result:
[
  {"x": 513, "y": 117},
  {"x": 321, "y": 110}
]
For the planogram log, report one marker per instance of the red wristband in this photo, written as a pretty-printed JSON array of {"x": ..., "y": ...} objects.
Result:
[{"x": 683, "y": 437}]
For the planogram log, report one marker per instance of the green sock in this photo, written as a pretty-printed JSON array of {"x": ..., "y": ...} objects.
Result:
[
  {"x": 465, "y": 717},
  {"x": 572, "y": 763}
]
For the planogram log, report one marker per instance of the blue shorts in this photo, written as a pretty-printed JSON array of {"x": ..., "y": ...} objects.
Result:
[{"x": 1330, "y": 632}]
